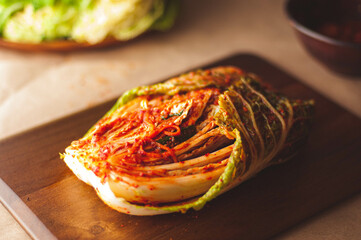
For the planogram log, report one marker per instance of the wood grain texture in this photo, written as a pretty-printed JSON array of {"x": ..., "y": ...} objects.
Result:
[
  {"x": 34, "y": 227},
  {"x": 326, "y": 171}
]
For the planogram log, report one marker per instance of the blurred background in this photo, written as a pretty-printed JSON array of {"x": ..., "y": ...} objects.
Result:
[{"x": 39, "y": 87}]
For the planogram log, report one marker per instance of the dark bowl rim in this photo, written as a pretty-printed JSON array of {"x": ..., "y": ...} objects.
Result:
[{"x": 311, "y": 33}]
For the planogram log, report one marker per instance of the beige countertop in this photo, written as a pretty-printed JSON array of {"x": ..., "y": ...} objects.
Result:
[{"x": 36, "y": 88}]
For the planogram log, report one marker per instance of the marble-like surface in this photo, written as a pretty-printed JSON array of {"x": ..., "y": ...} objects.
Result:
[{"x": 36, "y": 88}]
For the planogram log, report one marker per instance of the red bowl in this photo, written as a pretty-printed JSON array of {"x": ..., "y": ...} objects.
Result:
[{"x": 307, "y": 18}]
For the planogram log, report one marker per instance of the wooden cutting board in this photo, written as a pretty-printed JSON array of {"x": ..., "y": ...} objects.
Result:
[{"x": 326, "y": 171}]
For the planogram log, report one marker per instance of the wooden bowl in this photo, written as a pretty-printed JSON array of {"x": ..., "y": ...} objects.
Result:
[
  {"x": 58, "y": 46},
  {"x": 305, "y": 16}
]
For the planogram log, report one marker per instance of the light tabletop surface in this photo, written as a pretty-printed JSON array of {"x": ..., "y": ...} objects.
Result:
[{"x": 36, "y": 88}]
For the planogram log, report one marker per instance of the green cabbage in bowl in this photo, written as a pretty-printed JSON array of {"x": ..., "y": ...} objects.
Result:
[{"x": 91, "y": 21}]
